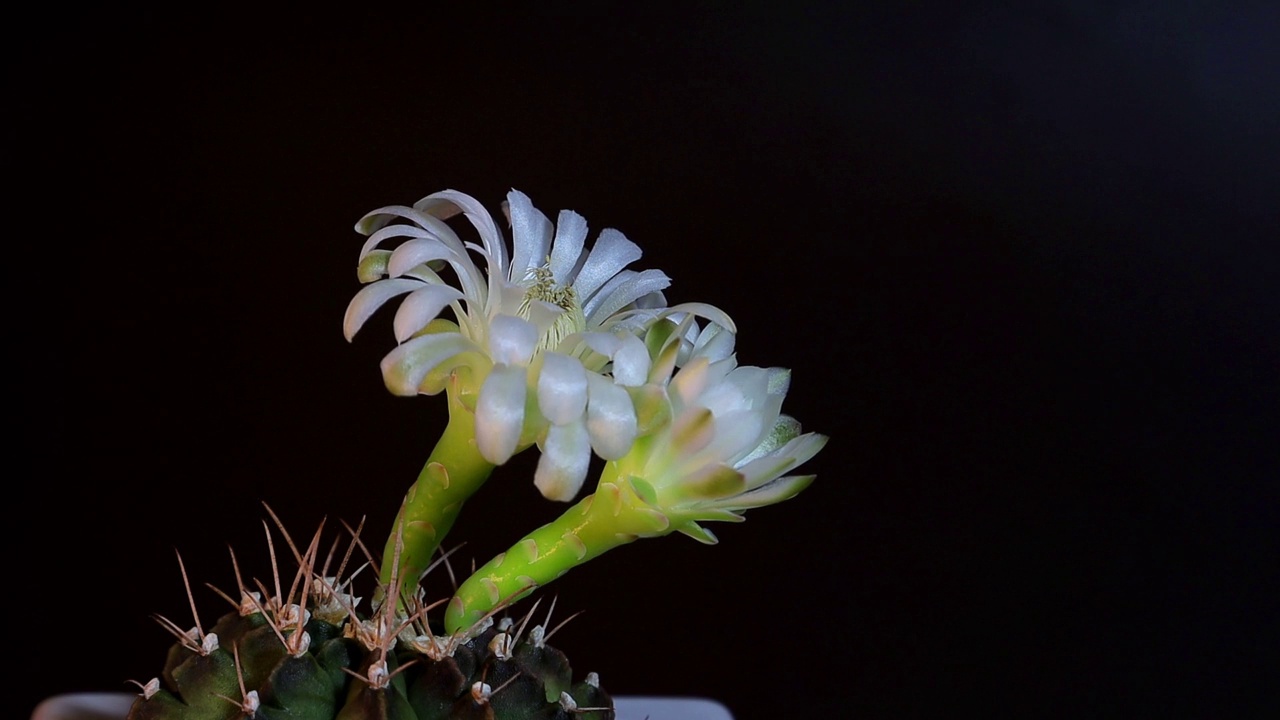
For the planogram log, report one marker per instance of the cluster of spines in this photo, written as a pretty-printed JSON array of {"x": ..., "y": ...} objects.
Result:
[{"x": 309, "y": 654}]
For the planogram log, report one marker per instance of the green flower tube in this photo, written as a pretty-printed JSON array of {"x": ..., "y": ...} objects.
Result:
[
  {"x": 453, "y": 473},
  {"x": 614, "y": 515},
  {"x": 724, "y": 449}
]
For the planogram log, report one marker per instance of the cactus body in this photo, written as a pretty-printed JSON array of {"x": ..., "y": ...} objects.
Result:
[{"x": 319, "y": 657}]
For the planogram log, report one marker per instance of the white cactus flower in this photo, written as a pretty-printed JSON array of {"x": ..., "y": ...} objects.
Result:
[
  {"x": 727, "y": 446},
  {"x": 550, "y": 332}
]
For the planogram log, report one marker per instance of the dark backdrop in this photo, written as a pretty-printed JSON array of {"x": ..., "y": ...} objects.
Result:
[{"x": 1022, "y": 262}]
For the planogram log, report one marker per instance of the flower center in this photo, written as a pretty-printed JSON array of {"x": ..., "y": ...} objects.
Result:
[{"x": 540, "y": 284}]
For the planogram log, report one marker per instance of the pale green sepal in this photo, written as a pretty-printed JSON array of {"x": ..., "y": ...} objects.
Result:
[
  {"x": 653, "y": 409},
  {"x": 784, "y": 430},
  {"x": 711, "y": 483},
  {"x": 373, "y": 266},
  {"x": 699, "y": 533},
  {"x": 709, "y": 514},
  {"x": 784, "y": 488},
  {"x": 643, "y": 490}
]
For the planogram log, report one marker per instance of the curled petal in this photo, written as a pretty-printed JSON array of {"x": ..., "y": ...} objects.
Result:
[
  {"x": 500, "y": 413},
  {"x": 562, "y": 388},
  {"x": 611, "y": 419},
  {"x": 404, "y": 368},
  {"x": 369, "y": 299},
  {"x": 475, "y": 212},
  {"x": 566, "y": 454},
  {"x": 421, "y": 307},
  {"x": 416, "y": 252}
]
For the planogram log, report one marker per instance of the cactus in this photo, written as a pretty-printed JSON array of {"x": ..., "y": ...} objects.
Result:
[
  {"x": 550, "y": 344},
  {"x": 310, "y": 652}
]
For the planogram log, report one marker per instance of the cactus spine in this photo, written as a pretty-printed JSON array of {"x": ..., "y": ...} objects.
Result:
[{"x": 311, "y": 653}]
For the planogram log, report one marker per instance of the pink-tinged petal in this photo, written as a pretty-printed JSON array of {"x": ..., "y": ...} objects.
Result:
[
  {"x": 571, "y": 234},
  {"x": 631, "y": 362},
  {"x": 421, "y": 307},
  {"x": 611, "y": 419},
  {"x": 692, "y": 431},
  {"x": 562, "y": 388},
  {"x": 611, "y": 253},
  {"x": 405, "y": 368},
  {"x": 689, "y": 383},
  {"x": 500, "y": 413},
  {"x": 530, "y": 234},
  {"x": 512, "y": 340},
  {"x": 369, "y": 299},
  {"x": 566, "y": 455}
]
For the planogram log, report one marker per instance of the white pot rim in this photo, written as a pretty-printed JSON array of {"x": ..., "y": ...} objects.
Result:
[{"x": 114, "y": 706}]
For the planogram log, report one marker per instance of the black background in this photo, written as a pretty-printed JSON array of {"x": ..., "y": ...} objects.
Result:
[{"x": 1022, "y": 262}]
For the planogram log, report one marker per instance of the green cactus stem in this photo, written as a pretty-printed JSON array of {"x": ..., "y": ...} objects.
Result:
[
  {"x": 616, "y": 514},
  {"x": 453, "y": 473}
]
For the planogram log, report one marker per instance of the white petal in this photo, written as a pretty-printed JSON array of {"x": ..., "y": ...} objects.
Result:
[
  {"x": 500, "y": 413},
  {"x": 421, "y": 307},
  {"x": 512, "y": 340},
  {"x": 606, "y": 344},
  {"x": 404, "y": 368},
  {"x": 708, "y": 312},
  {"x": 544, "y": 314},
  {"x": 562, "y": 388},
  {"x": 416, "y": 252},
  {"x": 631, "y": 362},
  {"x": 785, "y": 429},
  {"x": 611, "y": 253},
  {"x": 375, "y": 220},
  {"x": 369, "y": 299},
  {"x": 737, "y": 433},
  {"x": 620, "y": 291},
  {"x": 742, "y": 389},
  {"x": 530, "y": 234},
  {"x": 764, "y": 469},
  {"x": 393, "y": 231},
  {"x": 611, "y": 418},
  {"x": 566, "y": 455},
  {"x": 477, "y": 214},
  {"x": 571, "y": 234},
  {"x": 715, "y": 342}
]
